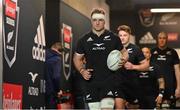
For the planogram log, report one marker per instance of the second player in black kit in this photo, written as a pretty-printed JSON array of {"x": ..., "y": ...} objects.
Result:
[
  {"x": 129, "y": 73},
  {"x": 131, "y": 83},
  {"x": 152, "y": 84},
  {"x": 168, "y": 61}
]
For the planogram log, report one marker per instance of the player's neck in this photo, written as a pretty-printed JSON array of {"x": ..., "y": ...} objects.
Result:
[
  {"x": 162, "y": 47},
  {"x": 54, "y": 49},
  {"x": 148, "y": 60},
  {"x": 126, "y": 45},
  {"x": 98, "y": 33}
]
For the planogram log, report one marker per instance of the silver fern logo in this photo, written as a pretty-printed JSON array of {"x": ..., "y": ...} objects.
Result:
[
  {"x": 10, "y": 30},
  {"x": 146, "y": 17}
]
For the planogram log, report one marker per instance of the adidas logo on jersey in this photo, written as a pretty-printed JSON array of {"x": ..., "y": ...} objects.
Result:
[
  {"x": 89, "y": 39},
  {"x": 110, "y": 93},
  {"x": 147, "y": 39},
  {"x": 38, "y": 51}
]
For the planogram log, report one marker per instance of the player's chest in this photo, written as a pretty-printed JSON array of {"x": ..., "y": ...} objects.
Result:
[
  {"x": 165, "y": 56},
  {"x": 99, "y": 45}
]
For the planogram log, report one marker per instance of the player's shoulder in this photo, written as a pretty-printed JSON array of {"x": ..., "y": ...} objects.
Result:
[
  {"x": 171, "y": 49},
  {"x": 112, "y": 34},
  {"x": 135, "y": 47},
  {"x": 154, "y": 49},
  {"x": 154, "y": 65},
  {"x": 85, "y": 36}
]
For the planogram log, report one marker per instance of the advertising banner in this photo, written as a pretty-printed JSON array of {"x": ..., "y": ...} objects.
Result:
[
  {"x": 12, "y": 96},
  {"x": 150, "y": 24},
  {"x": 24, "y": 51},
  {"x": 71, "y": 30}
]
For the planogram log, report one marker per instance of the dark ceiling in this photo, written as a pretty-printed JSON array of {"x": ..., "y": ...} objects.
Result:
[{"x": 130, "y": 5}]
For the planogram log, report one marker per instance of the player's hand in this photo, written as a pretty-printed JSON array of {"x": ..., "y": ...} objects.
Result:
[
  {"x": 122, "y": 62},
  {"x": 128, "y": 66},
  {"x": 177, "y": 93},
  {"x": 159, "y": 100},
  {"x": 87, "y": 73},
  {"x": 59, "y": 94}
]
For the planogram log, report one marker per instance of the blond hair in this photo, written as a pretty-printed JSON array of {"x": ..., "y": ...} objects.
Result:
[{"x": 124, "y": 28}]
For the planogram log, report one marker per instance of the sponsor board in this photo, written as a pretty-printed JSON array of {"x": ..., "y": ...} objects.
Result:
[
  {"x": 168, "y": 19},
  {"x": 40, "y": 108},
  {"x": 38, "y": 50},
  {"x": 10, "y": 30},
  {"x": 67, "y": 38},
  {"x": 42, "y": 86},
  {"x": 32, "y": 90},
  {"x": 147, "y": 18},
  {"x": 12, "y": 96},
  {"x": 172, "y": 36},
  {"x": 147, "y": 39}
]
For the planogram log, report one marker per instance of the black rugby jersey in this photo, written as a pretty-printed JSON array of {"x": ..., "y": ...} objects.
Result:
[
  {"x": 96, "y": 50},
  {"x": 149, "y": 80},
  {"x": 135, "y": 56},
  {"x": 166, "y": 59}
]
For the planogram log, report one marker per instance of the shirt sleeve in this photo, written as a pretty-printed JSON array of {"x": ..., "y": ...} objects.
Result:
[
  {"x": 119, "y": 44},
  {"x": 158, "y": 72},
  {"x": 57, "y": 69},
  {"x": 80, "y": 47},
  {"x": 175, "y": 57},
  {"x": 140, "y": 55}
]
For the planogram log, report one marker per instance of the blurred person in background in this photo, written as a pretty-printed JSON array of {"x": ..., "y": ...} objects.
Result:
[
  {"x": 152, "y": 84},
  {"x": 79, "y": 89},
  {"x": 53, "y": 69},
  {"x": 168, "y": 61}
]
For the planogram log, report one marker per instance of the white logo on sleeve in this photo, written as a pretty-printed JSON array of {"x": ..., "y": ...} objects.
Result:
[{"x": 38, "y": 51}]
